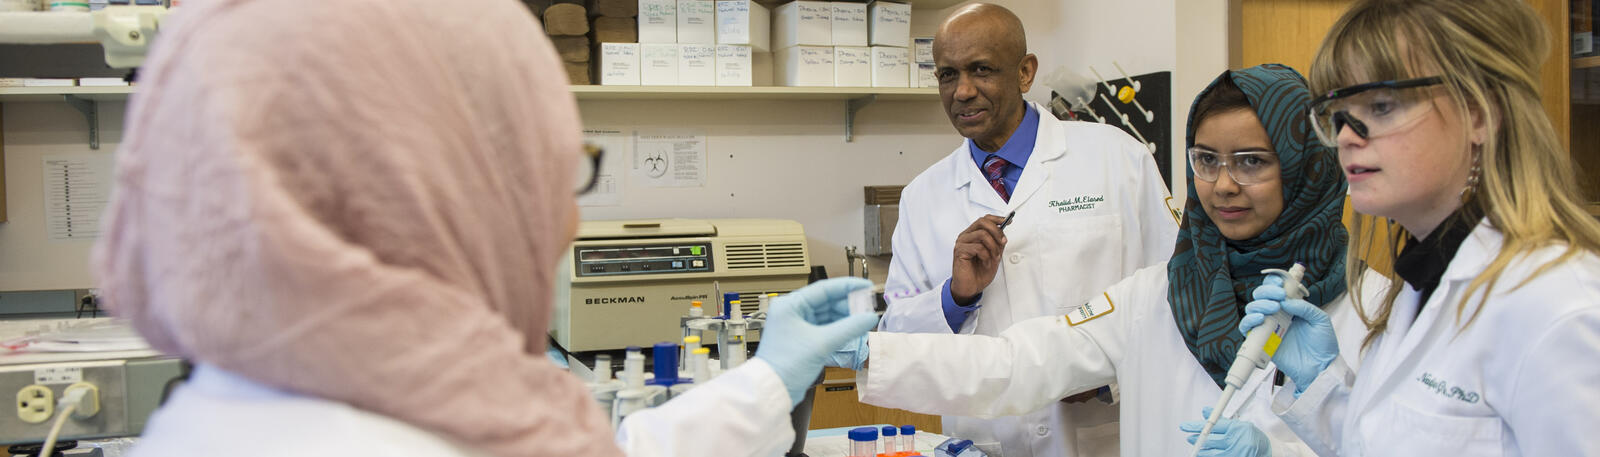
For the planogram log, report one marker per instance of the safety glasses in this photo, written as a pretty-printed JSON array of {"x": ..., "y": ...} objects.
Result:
[
  {"x": 1245, "y": 167},
  {"x": 1373, "y": 109}
]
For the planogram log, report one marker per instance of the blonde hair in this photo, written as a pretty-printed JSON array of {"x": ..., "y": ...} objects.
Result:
[{"x": 1489, "y": 53}]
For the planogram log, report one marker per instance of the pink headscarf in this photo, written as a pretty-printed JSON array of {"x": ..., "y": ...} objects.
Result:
[{"x": 358, "y": 200}]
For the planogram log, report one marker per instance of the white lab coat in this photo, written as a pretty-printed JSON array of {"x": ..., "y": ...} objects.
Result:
[
  {"x": 1136, "y": 345},
  {"x": 1091, "y": 209},
  {"x": 219, "y": 413},
  {"x": 1519, "y": 381}
]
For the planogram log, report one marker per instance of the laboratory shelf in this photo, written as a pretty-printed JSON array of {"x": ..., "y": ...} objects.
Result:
[
  {"x": 915, "y": 4},
  {"x": 750, "y": 93},
  {"x": 86, "y": 99},
  {"x": 54, "y": 94},
  {"x": 1586, "y": 62}
]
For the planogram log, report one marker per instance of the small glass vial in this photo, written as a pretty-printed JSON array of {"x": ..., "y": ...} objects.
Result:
[
  {"x": 863, "y": 442},
  {"x": 908, "y": 444},
  {"x": 890, "y": 440}
]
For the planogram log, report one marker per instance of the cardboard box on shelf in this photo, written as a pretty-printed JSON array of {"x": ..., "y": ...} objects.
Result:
[
  {"x": 890, "y": 24},
  {"x": 619, "y": 64},
  {"x": 697, "y": 22},
  {"x": 852, "y": 66},
  {"x": 658, "y": 21},
  {"x": 849, "y": 23},
  {"x": 891, "y": 67},
  {"x": 802, "y": 23},
  {"x": 803, "y": 66},
  {"x": 744, "y": 22}
]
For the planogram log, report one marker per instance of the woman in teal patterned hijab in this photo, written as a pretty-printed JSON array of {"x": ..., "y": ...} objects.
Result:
[{"x": 1234, "y": 224}]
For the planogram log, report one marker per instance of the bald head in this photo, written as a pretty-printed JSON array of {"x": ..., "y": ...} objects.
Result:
[
  {"x": 987, "y": 23},
  {"x": 981, "y": 59}
]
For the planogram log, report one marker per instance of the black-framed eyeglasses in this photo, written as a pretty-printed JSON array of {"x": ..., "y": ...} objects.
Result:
[
  {"x": 588, "y": 172},
  {"x": 1371, "y": 109}
]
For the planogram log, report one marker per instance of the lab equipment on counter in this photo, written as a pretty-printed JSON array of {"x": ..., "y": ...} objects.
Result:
[
  {"x": 908, "y": 442},
  {"x": 864, "y": 442},
  {"x": 627, "y": 283},
  {"x": 46, "y": 361},
  {"x": 1258, "y": 347},
  {"x": 956, "y": 447},
  {"x": 891, "y": 440}
]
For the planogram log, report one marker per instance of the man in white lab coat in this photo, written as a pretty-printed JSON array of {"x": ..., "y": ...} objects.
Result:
[{"x": 1088, "y": 207}]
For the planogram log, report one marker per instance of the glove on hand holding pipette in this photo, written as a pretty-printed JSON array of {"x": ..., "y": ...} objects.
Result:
[
  {"x": 1265, "y": 338},
  {"x": 1308, "y": 346},
  {"x": 805, "y": 327},
  {"x": 1229, "y": 438}
]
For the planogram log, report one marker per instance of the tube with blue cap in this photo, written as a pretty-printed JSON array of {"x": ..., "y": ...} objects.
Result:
[
  {"x": 863, "y": 442},
  {"x": 1258, "y": 347}
]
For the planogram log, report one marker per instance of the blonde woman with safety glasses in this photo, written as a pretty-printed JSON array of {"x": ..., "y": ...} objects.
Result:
[{"x": 1486, "y": 340}]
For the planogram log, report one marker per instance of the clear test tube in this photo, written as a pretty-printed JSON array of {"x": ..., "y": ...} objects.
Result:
[
  {"x": 908, "y": 443},
  {"x": 863, "y": 442},
  {"x": 862, "y": 302},
  {"x": 891, "y": 440}
]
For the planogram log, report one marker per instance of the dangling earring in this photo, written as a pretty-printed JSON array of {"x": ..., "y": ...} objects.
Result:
[{"x": 1473, "y": 175}]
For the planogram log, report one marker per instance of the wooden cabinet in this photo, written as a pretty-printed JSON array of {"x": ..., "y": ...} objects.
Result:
[{"x": 837, "y": 406}]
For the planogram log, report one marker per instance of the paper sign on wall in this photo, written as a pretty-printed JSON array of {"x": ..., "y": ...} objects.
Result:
[
  {"x": 77, "y": 188},
  {"x": 670, "y": 159},
  {"x": 618, "y": 145}
]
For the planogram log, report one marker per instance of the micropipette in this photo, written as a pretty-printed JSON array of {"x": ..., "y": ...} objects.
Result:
[{"x": 1258, "y": 347}]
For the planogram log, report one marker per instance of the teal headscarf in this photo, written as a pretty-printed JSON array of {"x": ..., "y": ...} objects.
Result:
[{"x": 1210, "y": 276}]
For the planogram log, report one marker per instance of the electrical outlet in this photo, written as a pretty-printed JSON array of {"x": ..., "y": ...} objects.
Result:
[{"x": 35, "y": 403}]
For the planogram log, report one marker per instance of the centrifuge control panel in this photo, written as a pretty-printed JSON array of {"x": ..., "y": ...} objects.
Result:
[{"x": 648, "y": 259}]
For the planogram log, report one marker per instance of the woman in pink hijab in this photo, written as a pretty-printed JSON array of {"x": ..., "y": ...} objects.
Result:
[{"x": 348, "y": 214}]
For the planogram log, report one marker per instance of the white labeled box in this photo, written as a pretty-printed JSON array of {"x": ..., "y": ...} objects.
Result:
[
  {"x": 744, "y": 22},
  {"x": 924, "y": 75},
  {"x": 849, "y": 22},
  {"x": 922, "y": 49},
  {"x": 697, "y": 64},
  {"x": 802, "y": 23},
  {"x": 658, "y": 21},
  {"x": 890, "y": 24},
  {"x": 658, "y": 64},
  {"x": 891, "y": 66},
  {"x": 697, "y": 22},
  {"x": 803, "y": 66},
  {"x": 852, "y": 66},
  {"x": 619, "y": 64},
  {"x": 733, "y": 65}
]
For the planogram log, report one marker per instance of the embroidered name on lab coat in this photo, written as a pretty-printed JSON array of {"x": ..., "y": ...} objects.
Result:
[
  {"x": 1079, "y": 203},
  {"x": 1441, "y": 387},
  {"x": 1090, "y": 311}
]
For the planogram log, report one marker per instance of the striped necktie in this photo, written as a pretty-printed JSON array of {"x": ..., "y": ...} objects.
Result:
[{"x": 994, "y": 169}]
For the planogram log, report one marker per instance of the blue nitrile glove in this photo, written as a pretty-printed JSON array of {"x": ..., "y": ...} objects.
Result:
[
  {"x": 853, "y": 355},
  {"x": 1309, "y": 345},
  {"x": 1229, "y": 438},
  {"x": 805, "y": 327}
]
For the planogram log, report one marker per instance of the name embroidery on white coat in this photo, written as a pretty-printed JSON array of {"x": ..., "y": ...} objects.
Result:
[
  {"x": 1444, "y": 388},
  {"x": 1090, "y": 311},
  {"x": 1078, "y": 203}
]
